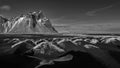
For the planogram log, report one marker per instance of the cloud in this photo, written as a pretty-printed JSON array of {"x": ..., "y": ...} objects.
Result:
[
  {"x": 95, "y": 28},
  {"x": 61, "y": 27},
  {"x": 63, "y": 24},
  {"x": 93, "y": 12},
  {"x": 5, "y": 7}
]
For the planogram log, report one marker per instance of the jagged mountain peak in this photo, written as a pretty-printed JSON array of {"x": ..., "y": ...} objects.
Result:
[
  {"x": 33, "y": 22},
  {"x": 38, "y": 14},
  {"x": 3, "y": 19}
]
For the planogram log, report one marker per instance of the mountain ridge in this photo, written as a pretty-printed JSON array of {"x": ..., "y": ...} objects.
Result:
[{"x": 31, "y": 23}]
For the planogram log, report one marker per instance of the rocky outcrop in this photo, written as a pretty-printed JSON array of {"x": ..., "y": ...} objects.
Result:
[{"x": 2, "y": 23}]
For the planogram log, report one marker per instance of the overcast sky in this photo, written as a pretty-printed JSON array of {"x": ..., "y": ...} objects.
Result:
[{"x": 79, "y": 16}]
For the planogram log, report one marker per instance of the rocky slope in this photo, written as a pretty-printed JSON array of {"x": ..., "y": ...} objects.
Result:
[
  {"x": 31, "y": 23},
  {"x": 2, "y": 23}
]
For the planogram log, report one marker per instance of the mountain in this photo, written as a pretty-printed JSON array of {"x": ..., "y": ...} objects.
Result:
[{"x": 31, "y": 23}]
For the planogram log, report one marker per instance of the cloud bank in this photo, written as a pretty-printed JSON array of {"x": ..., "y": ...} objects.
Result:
[
  {"x": 74, "y": 26},
  {"x": 95, "y": 28},
  {"x": 5, "y": 7}
]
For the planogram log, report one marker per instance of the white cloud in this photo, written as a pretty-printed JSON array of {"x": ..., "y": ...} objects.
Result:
[
  {"x": 93, "y": 12},
  {"x": 5, "y": 7}
]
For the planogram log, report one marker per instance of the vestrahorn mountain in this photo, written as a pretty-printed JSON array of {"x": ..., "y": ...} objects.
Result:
[{"x": 31, "y": 23}]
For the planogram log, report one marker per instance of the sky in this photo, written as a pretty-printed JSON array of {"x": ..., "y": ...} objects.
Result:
[{"x": 75, "y": 16}]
